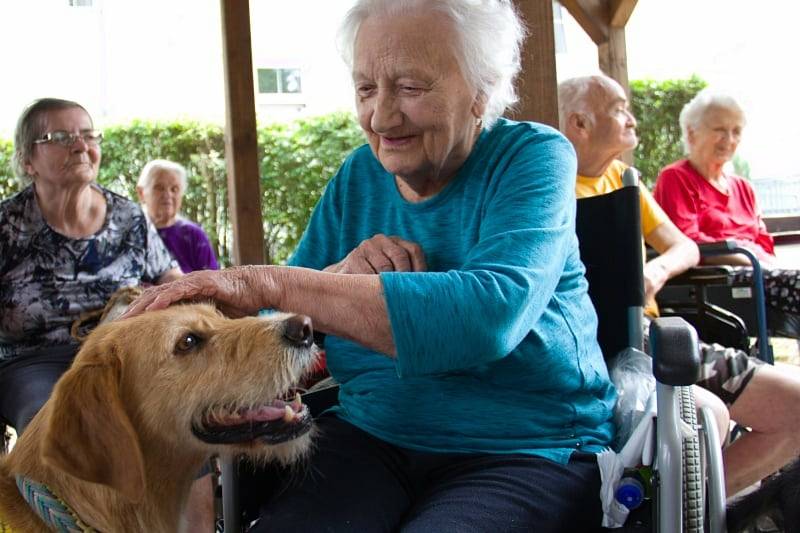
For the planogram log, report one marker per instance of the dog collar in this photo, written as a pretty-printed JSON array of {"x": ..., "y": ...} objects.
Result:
[{"x": 50, "y": 508}]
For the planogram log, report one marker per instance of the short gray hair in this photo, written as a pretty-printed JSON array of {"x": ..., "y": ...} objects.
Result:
[
  {"x": 30, "y": 127},
  {"x": 153, "y": 167},
  {"x": 573, "y": 97},
  {"x": 694, "y": 111},
  {"x": 491, "y": 34}
]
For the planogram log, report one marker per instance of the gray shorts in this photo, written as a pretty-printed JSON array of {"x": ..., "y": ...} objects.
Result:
[{"x": 726, "y": 371}]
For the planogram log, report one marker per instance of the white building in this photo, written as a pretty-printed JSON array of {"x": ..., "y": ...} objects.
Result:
[{"x": 162, "y": 59}]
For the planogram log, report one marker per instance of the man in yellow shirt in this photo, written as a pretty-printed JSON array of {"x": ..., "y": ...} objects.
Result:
[{"x": 595, "y": 117}]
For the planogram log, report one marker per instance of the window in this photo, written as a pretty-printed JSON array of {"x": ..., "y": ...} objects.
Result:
[{"x": 279, "y": 80}]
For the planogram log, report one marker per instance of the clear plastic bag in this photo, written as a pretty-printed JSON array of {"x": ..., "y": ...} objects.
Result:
[{"x": 632, "y": 374}]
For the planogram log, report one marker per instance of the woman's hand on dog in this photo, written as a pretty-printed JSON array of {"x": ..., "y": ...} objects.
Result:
[
  {"x": 237, "y": 291},
  {"x": 382, "y": 253}
]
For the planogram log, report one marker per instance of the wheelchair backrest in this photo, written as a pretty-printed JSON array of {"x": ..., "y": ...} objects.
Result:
[{"x": 610, "y": 239}]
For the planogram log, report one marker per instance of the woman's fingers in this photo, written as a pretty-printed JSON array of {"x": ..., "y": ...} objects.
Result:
[
  {"x": 237, "y": 291},
  {"x": 162, "y": 296},
  {"x": 140, "y": 304},
  {"x": 414, "y": 253},
  {"x": 393, "y": 254},
  {"x": 382, "y": 254}
]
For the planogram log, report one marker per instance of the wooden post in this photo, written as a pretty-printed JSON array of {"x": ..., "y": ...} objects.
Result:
[
  {"x": 241, "y": 146},
  {"x": 612, "y": 57},
  {"x": 613, "y": 60},
  {"x": 537, "y": 84}
]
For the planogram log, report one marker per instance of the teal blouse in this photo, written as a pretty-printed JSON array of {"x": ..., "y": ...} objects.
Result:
[{"x": 496, "y": 343}]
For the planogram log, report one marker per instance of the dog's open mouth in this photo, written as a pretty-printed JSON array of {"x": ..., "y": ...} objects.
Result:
[{"x": 273, "y": 423}]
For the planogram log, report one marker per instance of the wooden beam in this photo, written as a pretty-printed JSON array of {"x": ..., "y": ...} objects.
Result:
[
  {"x": 620, "y": 11},
  {"x": 241, "y": 146},
  {"x": 537, "y": 82},
  {"x": 591, "y": 16}
]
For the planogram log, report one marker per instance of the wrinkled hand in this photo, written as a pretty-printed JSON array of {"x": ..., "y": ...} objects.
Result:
[
  {"x": 237, "y": 291},
  {"x": 655, "y": 276},
  {"x": 382, "y": 253}
]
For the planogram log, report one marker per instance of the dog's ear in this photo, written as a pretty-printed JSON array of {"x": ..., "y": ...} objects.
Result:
[{"x": 88, "y": 433}]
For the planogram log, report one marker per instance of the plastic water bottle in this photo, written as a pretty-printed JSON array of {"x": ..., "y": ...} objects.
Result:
[{"x": 630, "y": 492}]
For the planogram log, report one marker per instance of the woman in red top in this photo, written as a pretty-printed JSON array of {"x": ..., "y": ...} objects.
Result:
[{"x": 709, "y": 204}]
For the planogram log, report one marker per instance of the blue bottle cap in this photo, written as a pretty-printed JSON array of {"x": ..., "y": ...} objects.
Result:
[{"x": 629, "y": 493}]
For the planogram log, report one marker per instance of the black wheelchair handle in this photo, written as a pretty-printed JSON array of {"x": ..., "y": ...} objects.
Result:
[{"x": 717, "y": 248}]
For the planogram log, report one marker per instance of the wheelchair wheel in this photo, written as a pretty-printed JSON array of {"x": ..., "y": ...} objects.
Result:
[{"x": 693, "y": 508}]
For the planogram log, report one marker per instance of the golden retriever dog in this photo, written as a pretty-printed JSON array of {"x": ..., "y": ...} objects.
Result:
[{"x": 147, "y": 401}]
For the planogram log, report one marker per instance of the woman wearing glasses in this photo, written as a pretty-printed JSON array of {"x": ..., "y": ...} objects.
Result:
[{"x": 66, "y": 245}]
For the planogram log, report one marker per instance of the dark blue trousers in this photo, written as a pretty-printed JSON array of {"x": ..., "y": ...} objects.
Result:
[
  {"x": 26, "y": 383},
  {"x": 355, "y": 482}
]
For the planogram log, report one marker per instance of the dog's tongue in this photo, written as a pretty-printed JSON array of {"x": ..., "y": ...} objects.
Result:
[
  {"x": 279, "y": 409},
  {"x": 269, "y": 413}
]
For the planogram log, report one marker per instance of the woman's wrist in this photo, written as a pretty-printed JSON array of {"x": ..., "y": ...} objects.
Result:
[{"x": 264, "y": 282}]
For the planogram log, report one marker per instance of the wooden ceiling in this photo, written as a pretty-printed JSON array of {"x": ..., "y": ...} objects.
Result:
[{"x": 603, "y": 21}]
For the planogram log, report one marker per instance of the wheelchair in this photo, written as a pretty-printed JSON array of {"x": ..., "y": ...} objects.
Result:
[
  {"x": 708, "y": 298},
  {"x": 688, "y": 487},
  {"x": 687, "y": 484}
]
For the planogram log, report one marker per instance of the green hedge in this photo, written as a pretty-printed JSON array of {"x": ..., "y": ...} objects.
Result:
[
  {"x": 8, "y": 183},
  {"x": 296, "y": 161},
  {"x": 657, "y": 106}
]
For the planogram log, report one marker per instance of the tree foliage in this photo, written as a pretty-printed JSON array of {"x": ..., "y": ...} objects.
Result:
[
  {"x": 657, "y": 106},
  {"x": 8, "y": 183}
]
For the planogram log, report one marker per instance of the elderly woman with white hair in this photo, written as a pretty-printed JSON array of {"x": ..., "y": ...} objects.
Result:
[
  {"x": 710, "y": 204},
  {"x": 160, "y": 188},
  {"x": 442, "y": 264}
]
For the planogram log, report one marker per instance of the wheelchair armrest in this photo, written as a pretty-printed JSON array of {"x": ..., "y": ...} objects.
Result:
[
  {"x": 708, "y": 274},
  {"x": 704, "y": 275},
  {"x": 708, "y": 249},
  {"x": 675, "y": 349},
  {"x": 728, "y": 247}
]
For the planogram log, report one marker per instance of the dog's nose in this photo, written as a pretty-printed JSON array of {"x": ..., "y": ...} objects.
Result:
[{"x": 298, "y": 330}]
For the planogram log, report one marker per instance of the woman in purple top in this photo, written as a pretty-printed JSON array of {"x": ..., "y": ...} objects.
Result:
[{"x": 161, "y": 186}]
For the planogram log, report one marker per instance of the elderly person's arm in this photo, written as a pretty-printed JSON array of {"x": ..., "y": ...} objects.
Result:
[
  {"x": 473, "y": 314},
  {"x": 677, "y": 253}
]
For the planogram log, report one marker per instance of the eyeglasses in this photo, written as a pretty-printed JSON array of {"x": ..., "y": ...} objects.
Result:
[{"x": 67, "y": 139}]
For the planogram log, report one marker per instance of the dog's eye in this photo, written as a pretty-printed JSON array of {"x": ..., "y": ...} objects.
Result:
[{"x": 188, "y": 342}]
